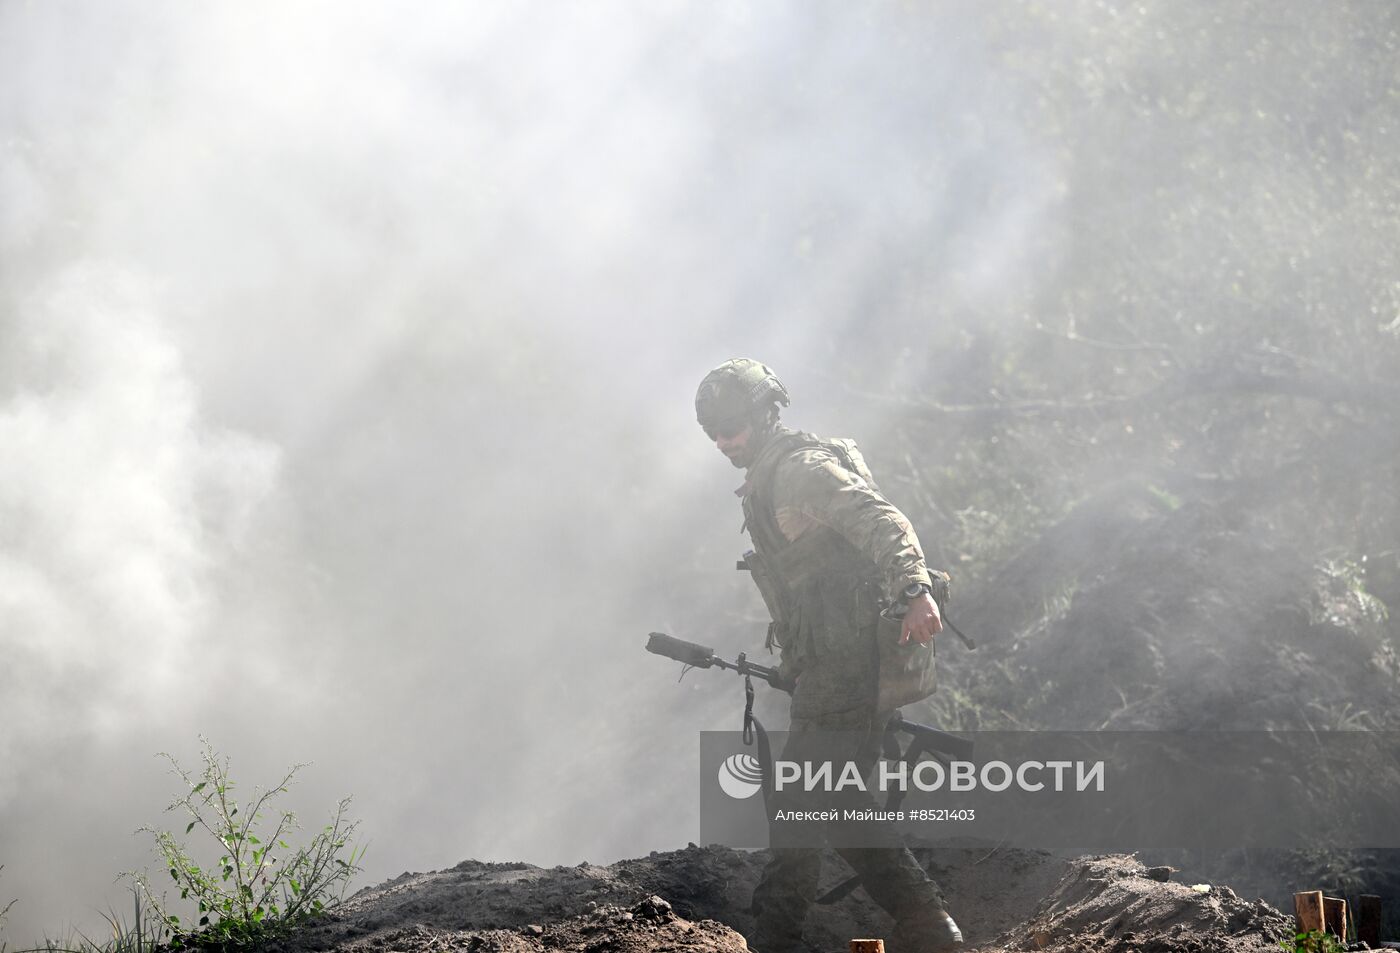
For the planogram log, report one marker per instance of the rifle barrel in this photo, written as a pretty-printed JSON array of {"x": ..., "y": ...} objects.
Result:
[
  {"x": 679, "y": 650},
  {"x": 702, "y": 656}
]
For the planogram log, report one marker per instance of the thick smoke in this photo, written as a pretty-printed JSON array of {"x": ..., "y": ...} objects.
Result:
[
  {"x": 347, "y": 353},
  {"x": 120, "y": 505},
  {"x": 347, "y": 363}
]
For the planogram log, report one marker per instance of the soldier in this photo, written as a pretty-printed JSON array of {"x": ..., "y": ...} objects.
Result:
[{"x": 833, "y": 551}]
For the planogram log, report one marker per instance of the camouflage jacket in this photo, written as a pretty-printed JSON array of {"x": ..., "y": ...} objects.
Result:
[{"x": 830, "y": 550}]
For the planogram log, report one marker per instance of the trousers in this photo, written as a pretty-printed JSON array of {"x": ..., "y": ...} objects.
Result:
[{"x": 888, "y": 871}]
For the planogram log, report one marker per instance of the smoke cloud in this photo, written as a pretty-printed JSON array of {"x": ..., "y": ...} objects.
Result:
[{"x": 347, "y": 353}]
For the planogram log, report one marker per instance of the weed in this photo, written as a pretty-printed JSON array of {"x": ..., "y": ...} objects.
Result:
[
  {"x": 261, "y": 884},
  {"x": 139, "y": 936},
  {"x": 1314, "y": 941}
]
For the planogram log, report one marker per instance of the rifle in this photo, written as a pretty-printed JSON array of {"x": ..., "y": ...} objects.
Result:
[{"x": 924, "y": 739}]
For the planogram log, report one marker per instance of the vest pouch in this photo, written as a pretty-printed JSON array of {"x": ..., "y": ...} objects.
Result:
[
  {"x": 906, "y": 671},
  {"x": 770, "y": 589}
]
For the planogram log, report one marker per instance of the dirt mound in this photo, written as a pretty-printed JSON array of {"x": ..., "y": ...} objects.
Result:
[
  {"x": 475, "y": 895},
  {"x": 1111, "y": 903},
  {"x": 698, "y": 898},
  {"x": 988, "y": 889},
  {"x": 649, "y": 924}
]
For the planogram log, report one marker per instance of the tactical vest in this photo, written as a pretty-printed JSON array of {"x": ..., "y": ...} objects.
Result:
[
  {"x": 819, "y": 589},
  {"x": 825, "y": 598}
]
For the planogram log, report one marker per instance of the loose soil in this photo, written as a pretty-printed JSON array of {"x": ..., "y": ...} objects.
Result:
[{"x": 698, "y": 898}]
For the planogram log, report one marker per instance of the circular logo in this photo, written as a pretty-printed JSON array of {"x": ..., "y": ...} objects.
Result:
[{"x": 741, "y": 776}]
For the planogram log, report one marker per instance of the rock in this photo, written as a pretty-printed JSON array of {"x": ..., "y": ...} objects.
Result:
[{"x": 653, "y": 908}]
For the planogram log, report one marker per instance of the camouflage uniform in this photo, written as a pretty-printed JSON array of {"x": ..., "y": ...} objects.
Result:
[{"x": 834, "y": 549}]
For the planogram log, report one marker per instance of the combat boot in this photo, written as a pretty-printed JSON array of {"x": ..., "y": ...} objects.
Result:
[{"x": 931, "y": 930}]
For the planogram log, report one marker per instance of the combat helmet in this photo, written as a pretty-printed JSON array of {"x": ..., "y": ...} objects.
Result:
[{"x": 737, "y": 393}]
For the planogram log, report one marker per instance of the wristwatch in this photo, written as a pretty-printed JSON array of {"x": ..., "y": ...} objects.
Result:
[{"x": 915, "y": 590}]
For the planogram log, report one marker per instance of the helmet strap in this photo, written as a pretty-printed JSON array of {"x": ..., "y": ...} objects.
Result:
[{"x": 764, "y": 421}]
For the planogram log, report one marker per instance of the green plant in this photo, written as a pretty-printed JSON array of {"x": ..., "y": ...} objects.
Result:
[
  {"x": 1313, "y": 941},
  {"x": 261, "y": 884},
  {"x": 140, "y": 936}
]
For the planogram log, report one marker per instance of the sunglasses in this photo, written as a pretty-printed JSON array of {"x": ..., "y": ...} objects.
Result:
[{"x": 728, "y": 430}]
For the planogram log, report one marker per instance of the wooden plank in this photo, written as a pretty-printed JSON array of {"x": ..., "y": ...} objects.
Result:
[
  {"x": 867, "y": 946},
  {"x": 1307, "y": 907},
  {"x": 1334, "y": 912},
  {"x": 1368, "y": 920}
]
